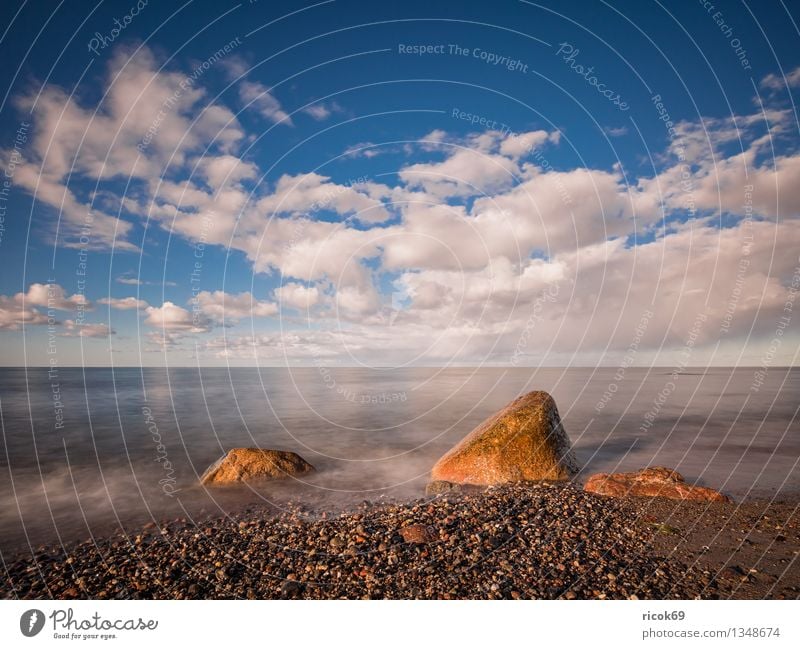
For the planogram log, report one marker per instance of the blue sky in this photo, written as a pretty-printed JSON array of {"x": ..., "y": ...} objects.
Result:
[{"x": 399, "y": 183}]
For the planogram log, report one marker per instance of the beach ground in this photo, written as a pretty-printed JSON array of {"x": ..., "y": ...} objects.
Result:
[{"x": 526, "y": 541}]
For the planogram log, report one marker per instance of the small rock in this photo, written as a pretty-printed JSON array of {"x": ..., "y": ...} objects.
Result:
[
  {"x": 436, "y": 487},
  {"x": 417, "y": 533},
  {"x": 291, "y": 589}
]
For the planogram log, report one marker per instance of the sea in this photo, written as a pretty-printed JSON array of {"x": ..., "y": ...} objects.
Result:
[{"x": 89, "y": 451}]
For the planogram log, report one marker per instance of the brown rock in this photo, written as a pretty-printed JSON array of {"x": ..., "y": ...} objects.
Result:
[
  {"x": 244, "y": 464},
  {"x": 651, "y": 482},
  {"x": 525, "y": 441},
  {"x": 417, "y": 533},
  {"x": 440, "y": 487}
]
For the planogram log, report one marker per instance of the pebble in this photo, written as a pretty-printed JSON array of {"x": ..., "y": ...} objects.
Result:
[{"x": 517, "y": 541}]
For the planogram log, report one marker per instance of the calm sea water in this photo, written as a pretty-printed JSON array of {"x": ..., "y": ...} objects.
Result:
[{"x": 91, "y": 449}]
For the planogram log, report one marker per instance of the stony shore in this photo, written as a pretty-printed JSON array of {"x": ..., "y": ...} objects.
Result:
[{"x": 520, "y": 541}]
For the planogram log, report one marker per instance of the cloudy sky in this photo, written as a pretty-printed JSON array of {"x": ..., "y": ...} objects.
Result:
[{"x": 439, "y": 183}]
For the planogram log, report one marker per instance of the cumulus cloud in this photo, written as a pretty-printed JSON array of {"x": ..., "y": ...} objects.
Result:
[
  {"x": 520, "y": 145},
  {"x": 297, "y": 296},
  {"x": 221, "y": 307},
  {"x": 222, "y": 170},
  {"x": 172, "y": 318},
  {"x": 148, "y": 116},
  {"x": 207, "y": 310},
  {"x": 13, "y": 314},
  {"x": 86, "y": 330},
  {"x": 480, "y": 164},
  {"x": 124, "y": 303},
  {"x": 26, "y": 308},
  {"x": 447, "y": 260},
  {"x": 357, "y": 301},
  {"x": 308, "y": 194},
  {"x": 464, "y": 173},
  {"x": 53, "y": 296}
]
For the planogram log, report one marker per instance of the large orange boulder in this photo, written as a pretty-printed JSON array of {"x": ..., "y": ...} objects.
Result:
[
  {"x": 651, "y": 482},
  {"x": 525, "y": 441},
  {"x": 246, "y": 464}
]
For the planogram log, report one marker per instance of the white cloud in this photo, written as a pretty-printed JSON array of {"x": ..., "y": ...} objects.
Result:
[
  {"x": 297, "y": 296},
  {"x": 128, "y": 280},
  {"x": 172, "y": 318},
  {"x": 86, "y": 330},
  {"x": 779, "y": 82},
  {"x": 13, "y": 315},
  {"x": 355, "y": 301},
  {"x": 480, "y": 164},
  {"x": 124, "y": 303},
  {"x": 321, "y": 111},
  {"x": 52, "y": 296},
  {"x": 148, "y": 116},
  {"x": 259, "y": 98},
  {"x": 222, "y": 307},
  {"x": 557, "y": 211},
  {"x": 312, "y": 193},
  {"x": 521, "y": 145},
  {"x": 365, "y": 150},
  {"x": 470, "y": 236},
  {"x": 222, "y": 170},
  {"x": 77, "y": 219},
  {"x": 293, "y": 346},
  {"x": 25, "y": 308},
  {"x": 464, "y": 173},
  {"x": 616, "y": 131},
  {"x": 162, "y": 340}
]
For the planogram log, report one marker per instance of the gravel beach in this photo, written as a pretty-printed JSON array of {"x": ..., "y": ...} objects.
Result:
[{"x": 512, "y": 542}]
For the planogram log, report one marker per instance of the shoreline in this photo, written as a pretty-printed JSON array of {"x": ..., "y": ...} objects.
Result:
[{"x": 541, "y": 540}]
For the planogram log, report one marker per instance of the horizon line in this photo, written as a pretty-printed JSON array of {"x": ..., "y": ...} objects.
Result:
[{"x": 389, "y": 367}]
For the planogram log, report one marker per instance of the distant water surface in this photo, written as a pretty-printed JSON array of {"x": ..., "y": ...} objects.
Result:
[{"x": 91, "y": 449}]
